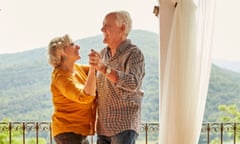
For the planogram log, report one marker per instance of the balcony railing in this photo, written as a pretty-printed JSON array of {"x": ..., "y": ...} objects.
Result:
[{"x": 40, "y": 132}]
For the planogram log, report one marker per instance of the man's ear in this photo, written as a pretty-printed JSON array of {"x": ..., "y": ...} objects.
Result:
[{"x": 123, "y": 28}]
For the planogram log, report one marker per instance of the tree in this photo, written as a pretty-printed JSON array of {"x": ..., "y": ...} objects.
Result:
[{"x": 229, "y": 113}]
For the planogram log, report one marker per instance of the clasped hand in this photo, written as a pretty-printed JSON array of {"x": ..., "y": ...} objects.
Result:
[{"x": 95, "y": 60}]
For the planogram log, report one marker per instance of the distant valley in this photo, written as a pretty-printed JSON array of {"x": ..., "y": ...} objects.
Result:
[{"x": 25, "y": 79}]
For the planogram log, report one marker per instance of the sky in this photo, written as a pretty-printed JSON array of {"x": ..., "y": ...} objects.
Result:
[
  {"x": 29, "y": 24},
  {"x": 226, "y": 43}
]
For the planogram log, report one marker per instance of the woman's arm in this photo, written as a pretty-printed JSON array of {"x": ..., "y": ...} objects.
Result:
[{"x": 90, "y": 84}]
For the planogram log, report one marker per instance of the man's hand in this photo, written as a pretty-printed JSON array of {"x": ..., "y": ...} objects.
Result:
[{"x": 96, "y": 61}]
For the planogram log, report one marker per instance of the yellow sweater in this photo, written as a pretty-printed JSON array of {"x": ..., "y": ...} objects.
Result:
[{"x": 74, "y": 111}]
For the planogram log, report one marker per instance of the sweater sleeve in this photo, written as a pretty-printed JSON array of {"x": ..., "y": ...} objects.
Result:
[{"x": 72, "y": 89}]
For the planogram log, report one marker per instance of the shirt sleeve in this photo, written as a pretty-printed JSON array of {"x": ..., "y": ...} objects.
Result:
[{"x": 131, "y": 79}]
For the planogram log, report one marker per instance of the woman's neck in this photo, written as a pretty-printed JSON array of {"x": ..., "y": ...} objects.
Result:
[{"x": 67, "y": 67}]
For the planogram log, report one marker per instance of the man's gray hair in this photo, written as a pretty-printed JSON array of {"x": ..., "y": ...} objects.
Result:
[{"x": 124, "y": 18}]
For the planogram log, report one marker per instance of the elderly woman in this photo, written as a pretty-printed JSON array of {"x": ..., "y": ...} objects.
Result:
[{"x": 73, "y": 89}]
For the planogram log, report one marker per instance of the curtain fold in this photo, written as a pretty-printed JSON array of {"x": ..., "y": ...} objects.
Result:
[{"x": 185, "y": 50}]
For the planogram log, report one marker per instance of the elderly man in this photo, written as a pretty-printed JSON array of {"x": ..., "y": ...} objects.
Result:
[{"x": 121, "y": 69}]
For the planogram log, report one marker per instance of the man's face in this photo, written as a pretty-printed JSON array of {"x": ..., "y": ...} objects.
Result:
[{"x": 111, "y": 31}]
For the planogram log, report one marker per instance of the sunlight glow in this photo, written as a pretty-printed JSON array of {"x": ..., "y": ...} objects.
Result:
[{"x": 28, "y": 24}]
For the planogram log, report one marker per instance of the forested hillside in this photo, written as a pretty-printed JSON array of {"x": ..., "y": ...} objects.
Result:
[
  {"x": 25, "y": 79},
  {"x": 224, "y": 88}
]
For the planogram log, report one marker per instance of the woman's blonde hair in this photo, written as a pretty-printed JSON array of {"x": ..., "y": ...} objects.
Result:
[{"x": 56, "y": 49}]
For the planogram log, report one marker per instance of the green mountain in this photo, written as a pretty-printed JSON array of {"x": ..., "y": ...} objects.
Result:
[
  {"x": 224, "y": 88},
  {"x": 25, "y": 80}
]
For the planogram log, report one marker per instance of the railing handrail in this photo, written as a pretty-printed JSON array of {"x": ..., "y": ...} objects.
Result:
[{"x": 208, "y": 129}]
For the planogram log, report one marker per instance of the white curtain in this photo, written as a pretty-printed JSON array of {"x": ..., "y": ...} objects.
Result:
[{"x": 186, "y": 34}]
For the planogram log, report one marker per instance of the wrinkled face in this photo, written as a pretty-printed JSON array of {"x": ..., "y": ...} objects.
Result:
[
  {"x": 64, "y": 47},
  {"x": 111, "y": 31},
  {"x": 72, "y": 51}
]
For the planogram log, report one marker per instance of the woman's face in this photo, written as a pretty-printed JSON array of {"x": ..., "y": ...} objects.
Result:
[{"x": 72, "y": 51}]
